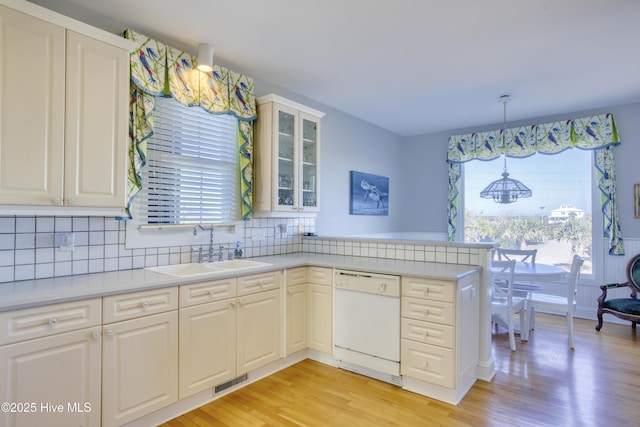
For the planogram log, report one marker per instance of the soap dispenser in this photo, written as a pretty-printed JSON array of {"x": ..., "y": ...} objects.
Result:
[{"x": 238, "y": 252}]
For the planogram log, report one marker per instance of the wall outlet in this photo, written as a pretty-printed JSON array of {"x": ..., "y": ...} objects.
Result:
[
  {"x": 258, "y": 234},
  {"x": 64, "y": 241}
]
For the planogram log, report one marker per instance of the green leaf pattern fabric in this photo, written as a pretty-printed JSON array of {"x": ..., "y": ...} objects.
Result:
[
  {"x": 160, "y": 70},
  {"x": 597, "y": 133}
]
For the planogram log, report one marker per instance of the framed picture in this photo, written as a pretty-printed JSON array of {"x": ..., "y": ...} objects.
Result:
[
  {"x": 636, "y": 200},
  {"x": 369, "y": 194}
]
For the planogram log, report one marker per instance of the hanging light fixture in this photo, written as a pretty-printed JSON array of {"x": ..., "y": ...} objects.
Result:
[
  {"x": 505, "y": 190},
  {"x": 205, "y": 57}
]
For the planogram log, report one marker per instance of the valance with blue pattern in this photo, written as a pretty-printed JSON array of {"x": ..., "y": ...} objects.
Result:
[
  {"x": 160, "y": 70},
  {"x": 597, "y": 133}
]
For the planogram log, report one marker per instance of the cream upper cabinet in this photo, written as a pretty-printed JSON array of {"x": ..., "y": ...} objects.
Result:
[
  {"x": 287, "y": 156},
  {"x": 63, "y": 115}
]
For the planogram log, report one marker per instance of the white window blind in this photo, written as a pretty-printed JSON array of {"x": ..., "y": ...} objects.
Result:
[{"x": 191, "y": 174}]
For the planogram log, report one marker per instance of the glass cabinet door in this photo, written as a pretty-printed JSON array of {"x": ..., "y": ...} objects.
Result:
[
  {"x": 309, "y": 163},
  {"x": 286, "y": 159}
]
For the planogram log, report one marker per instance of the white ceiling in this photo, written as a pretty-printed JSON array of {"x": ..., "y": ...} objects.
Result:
[{"x": 409, "y": 66}]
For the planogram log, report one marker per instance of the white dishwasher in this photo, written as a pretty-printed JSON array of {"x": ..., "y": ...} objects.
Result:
[{"x": 366, "y": 331}]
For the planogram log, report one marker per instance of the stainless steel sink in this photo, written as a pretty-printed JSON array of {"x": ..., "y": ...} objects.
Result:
[{"x": 195, "y": 269}]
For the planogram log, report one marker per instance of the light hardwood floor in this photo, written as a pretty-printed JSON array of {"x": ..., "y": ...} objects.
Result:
[{"x": 543, "y": 383}]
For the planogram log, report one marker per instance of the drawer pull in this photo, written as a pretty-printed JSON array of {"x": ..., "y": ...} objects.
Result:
[
  {"x": 426, "y": 334},
  {"x": 425, "y": 290},
  {"x": 53, "y": 320},
  {"x": 233, "y": 304},
  {"x": 145, "y": 304}
]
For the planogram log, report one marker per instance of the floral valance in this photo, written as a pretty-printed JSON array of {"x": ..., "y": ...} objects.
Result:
[
  {"x": 597, "y": 133},
  {"x": 548, "y": 138},
  {"x": 160, "y": 70}
]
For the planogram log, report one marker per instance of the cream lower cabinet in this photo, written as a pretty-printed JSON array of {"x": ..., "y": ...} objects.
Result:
[
  {"x": 320, "y": 309},
  {"x": 223, "y": 336},
  {"x": 259, "y": 327},
  {"x": 50, "y": 365},
  {"x": 139, "y": 354},
  {"x": 63, "y": 137},
  {"x": 439, "y": 348},
  {"x": 296, "y": 310},
  {"x": 207, "y": 335}
]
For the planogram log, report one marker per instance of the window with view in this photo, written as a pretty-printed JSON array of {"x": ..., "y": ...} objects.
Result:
[
  {"x": 191, "y": 175},
  {"x": 556, "y": 220}
]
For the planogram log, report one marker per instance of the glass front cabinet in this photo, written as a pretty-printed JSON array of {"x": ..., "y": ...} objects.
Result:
[{"x": 287, "y": 151}]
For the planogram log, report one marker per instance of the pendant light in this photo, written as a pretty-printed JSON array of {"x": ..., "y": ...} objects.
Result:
[{"x": 505, "y": 190}]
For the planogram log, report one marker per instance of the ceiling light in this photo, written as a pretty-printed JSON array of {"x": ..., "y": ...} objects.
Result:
[
  {"x": 505, "y": 190},
  {"x": 205, "y": 57}
]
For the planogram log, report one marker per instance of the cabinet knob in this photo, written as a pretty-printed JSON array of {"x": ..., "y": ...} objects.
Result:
[
  {"x": 212, "y": 292},
  {"x": 426, "y": 334},
  {"x": 72, "y": 200},
  {"x": 233, "y": 304},
  {"x": 145, "y": 304},
  {"x": 95, "y": 334},
  {"x": 110, "y": 332},
  {"x": 57, "y": 200},
  {"x": 53, "y": 320},
  {"x": 425, "y": 290}
]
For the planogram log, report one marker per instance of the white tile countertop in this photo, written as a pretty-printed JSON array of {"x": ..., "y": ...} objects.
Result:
[{"x": 29, "y": 293}]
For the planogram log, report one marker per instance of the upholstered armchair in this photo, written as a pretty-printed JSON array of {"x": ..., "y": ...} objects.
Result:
[{"x": 623, "y": 308}]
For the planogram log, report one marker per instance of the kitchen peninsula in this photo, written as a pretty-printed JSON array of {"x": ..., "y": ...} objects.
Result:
[{"x": 120, "y": 287}]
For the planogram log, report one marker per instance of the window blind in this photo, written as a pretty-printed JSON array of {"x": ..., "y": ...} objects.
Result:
[{"x": 191, "y": 174}]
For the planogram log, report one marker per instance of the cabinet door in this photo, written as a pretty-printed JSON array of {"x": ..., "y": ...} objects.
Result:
[
  {"x": 32, "y": 106},
  {"x": 207, "y": 346},
  {"x": 319, "y": 318},
  {"x": 296, "y": 324},
  {"x": 139, "y": 367},
  {"x": 286, "y": 167},
  {"x": 96, "y": 123},
  {"x": 310, "y": 163},
  {"x": 57, "y": 370},
  {"x": 259, "y": 330}
]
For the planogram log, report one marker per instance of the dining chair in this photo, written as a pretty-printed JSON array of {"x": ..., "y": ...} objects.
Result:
[
  {"x": 504, "y": 305},
  {"x": 564, "y": 304},
  {"x": 520, "y": 255}
]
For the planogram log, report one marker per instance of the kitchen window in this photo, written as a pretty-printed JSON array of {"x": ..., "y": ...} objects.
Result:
[{"x": 191, "y": 175}]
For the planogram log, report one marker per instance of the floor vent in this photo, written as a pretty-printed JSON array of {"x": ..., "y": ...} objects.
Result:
[{"x": 230, "y": 383}]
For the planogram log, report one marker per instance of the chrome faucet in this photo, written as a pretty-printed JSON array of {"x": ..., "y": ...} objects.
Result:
[{"x": 209, "y": 256}]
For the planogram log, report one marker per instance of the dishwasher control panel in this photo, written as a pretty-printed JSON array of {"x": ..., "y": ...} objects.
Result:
[{"x": 373, "y": 283}]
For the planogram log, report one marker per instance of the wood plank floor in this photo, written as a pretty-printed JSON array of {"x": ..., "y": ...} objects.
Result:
[{"x": 543, "y": 383}]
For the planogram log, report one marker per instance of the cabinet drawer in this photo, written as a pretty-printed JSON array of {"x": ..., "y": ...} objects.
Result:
[
  {"x": 428, "y": 363},
  {"x": 139, "y": 304},
  {"x": 36, "y": 322},
  {"x": 431, "y": 311},
  {"x": 428, "y": 333},
  {"x": 320, "y": 275},
  {"x": 200, "y": 293},
  {"x": 433, "y": 289},
  {"x": 259, "y": 282},
  {"x": 296, "y": 276}
]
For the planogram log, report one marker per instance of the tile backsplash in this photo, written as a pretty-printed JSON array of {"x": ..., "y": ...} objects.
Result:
[{"x": 28, "y": 250}]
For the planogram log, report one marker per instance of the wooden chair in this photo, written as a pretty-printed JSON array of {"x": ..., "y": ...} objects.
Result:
[
  {"x": 623, "y": 308},
  {"x": 519, "y": 255},
  {"x": 504, "y": 305},
  {"x": 564, "y": 304}
]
